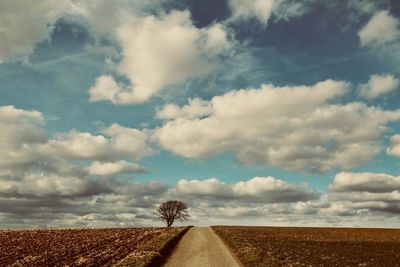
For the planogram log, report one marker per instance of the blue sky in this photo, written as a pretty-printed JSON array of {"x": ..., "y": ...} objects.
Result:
[{"x": 271, "y": 112}]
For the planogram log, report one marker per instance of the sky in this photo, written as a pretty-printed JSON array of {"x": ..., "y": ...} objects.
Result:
[{"x": 253, "y": 112}]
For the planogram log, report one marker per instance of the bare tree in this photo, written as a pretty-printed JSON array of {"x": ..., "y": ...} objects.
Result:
[{"x": 172, "y": 210}]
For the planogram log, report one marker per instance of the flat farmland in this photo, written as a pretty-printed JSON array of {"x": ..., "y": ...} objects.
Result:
[
  {"x": 83, "y": 247},
  {"x": 286, "y": 246}
]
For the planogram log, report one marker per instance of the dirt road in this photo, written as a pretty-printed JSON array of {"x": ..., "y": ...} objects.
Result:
[{"x": 201, "y": 247}]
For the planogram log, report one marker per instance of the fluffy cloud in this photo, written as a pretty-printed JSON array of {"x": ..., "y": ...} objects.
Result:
[
  {"x": 25, "y": 23},
  {"x": 351, "y": 198},
  {"x": 103, "y": 16},
  {"x": 39, "y": 185},
  {"x": 364, "y": 7},
  {"x": 77, "y": 200},
  {"x": 289, "y": 127},
  {"x": 381, "y": 28},
  {"x": 365, "y": 182},
  {"x": 111, "y": 204},
  {"x": 263, "y": 10},
  {"x": 105, "y": 88},
  {"x": 21, "y": 135},
  {"x": 74, "y": 200},
  {"x": 259, "y": 9},
  {"x": 195, "y": 109},
  {"x": 378, "y": 85},
  {"x": 122, "y": 141},
  {"x": 394, "y": 146},
  {"x": 353, "y": 193},
  {"x": 46, "y": 181},
  {"x": 21, "y": 31},
  {"x": 158, "y": 52},
  {"x": 257, "y": 189},
  {"x": 112, "y": 168},
  {"x": 31, "y": 164}
]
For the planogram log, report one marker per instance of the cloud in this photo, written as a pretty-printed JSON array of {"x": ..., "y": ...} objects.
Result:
[
  {"x": 103, "y": 17},
  {"x": 295, "y": 128},
  {"x": 259, "y": 9},
  {"x": 50, "y": 176},
  {"x": 353, "y": 193},
  {"x": 20, "y": 30},
  {"x": 382, "y": 28},
  {"x": 21, "y": 135},
  {"x": 158, "y": 52},
  {"x": 378, "y": 85},
  {"x": 105, "y": 88},
  {"x": 44, "y": 185},
  {"x": 75, "y": 207},
  {"x": 24, "y": 146},
  {"x": 352, "y": 198},
  {"x": 196, "y": 108},
  {"x": 257, "y": 189},
  {"x": 116, "y": 142},
  {"x": 76, "y": 199},
  {"x": 113, "y": 168},
  {"x": 263, "y": 10},
  {"x": 363, "y": 7},
  {"x": 394, "y": 146},
  {"x": 365, "y": 182}
]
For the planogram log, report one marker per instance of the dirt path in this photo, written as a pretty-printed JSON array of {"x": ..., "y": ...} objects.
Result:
[{"x": 200, "y": 246}]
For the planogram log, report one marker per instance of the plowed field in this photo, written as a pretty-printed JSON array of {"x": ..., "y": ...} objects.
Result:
[
  {"x": 81, "y": 247},
  {"x": 279, "y": 246}
]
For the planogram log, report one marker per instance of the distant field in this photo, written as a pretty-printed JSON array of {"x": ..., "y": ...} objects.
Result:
[
  {"x": 83, "y": 247},
  {"x": 278, "y": 246}
]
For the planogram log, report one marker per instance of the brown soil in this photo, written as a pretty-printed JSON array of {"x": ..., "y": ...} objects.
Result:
[
  {"x": 281, "y": 246},
  {"x": 77, "y": 247}
]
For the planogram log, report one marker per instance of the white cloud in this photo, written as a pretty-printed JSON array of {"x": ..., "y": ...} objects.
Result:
[
  {"x": 381, "y": 28},
  {"x": 23, "y": 142},
  {"x": 21, "y": 135},
  {"x": 263, "y": 10},
  {"x": 46, "y": 181},
  {"x": 50, "y": 186},
  {"x": 289, "y": 127},
  {"x": 117, "y": 141},
  {"x": 208, "y": 187},
  {"x": 128, "y": 141},
  {"x": 364, "y": 6},
  {"x": 378, "y": 85},
  {"x": 105, "y": 88},
  {"x": 367, "y": 182},
  {"x": 196, "y": 108},
  {"x": 158, "y": 52},
  {"x": 77, "y": 145},
  {"x": 354, "y": 193},
  {"x": 287, "y": 9},
  {"x": 34, "y": 166},
  {"x": 353, "y": 198},
  {"x": 11, "y": 114},
  {"x": 113, "y": 168},
  {"x": 72, "y": 198},
  {"x": 257, "y": 189},
  {"x": 104, "y": 16},
  {"x": 25, "y": 23},
  {"x": 394, "y": 146},
  {"x": 260, "y": 9}
]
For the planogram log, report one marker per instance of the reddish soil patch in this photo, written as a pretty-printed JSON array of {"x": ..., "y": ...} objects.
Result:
[
  {"x": 75, "y": 247},
  {"x": 281, "y": 246}
]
